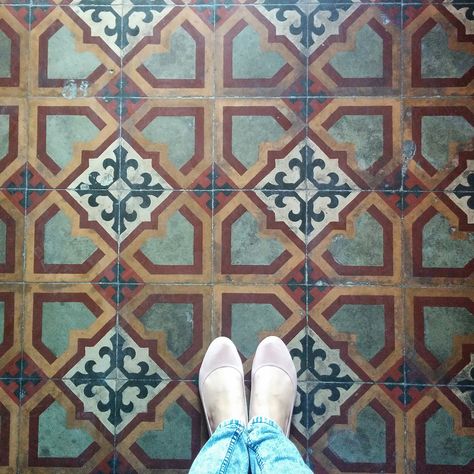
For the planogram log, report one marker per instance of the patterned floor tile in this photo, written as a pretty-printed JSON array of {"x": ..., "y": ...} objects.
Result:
[
  {"x": 359, "y": 330},
  {"x": 170, "y": 52},
  {"x": 257, "y": 242},
  {"x": 354, "y": 49},
  {"x": 9, "y": 427},
  {"x": 439, "y": 144},
  {"x": 72, "y": 144},
  {"x": 440, "y": 331},
  {"x": 248, "y": 314},
  {"x": 260, "y": 142},
  {"x": 440, "y": 434},
  {"x": 14, "y": 51},
  {"x": 175, "y": 323},
  {"x": 65, "y": 243},
  {"x": 438, "y": 234},
  {"x": 360, "y": 432},
  {"x": 169, "y": 435},
  {"x": 358, "y": 241},
  {"x": 74, "y": 50},
  {"x": 358, "y": 139},
  {"x": 169, "y": 244},
  {"x": 439, "y": 57},
  {"x": 154, "y": 129},
  {"x": 11, "y": 320},
  {"x": 274, "y": 38},
  {"x": 11, "y": 239},
  {"x": 57, "y": 433}
]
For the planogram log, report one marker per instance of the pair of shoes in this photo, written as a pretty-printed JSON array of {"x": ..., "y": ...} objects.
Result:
[{"x": 221, "y": 383}]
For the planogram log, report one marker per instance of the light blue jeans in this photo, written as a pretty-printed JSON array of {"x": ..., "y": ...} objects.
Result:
[{"x": 262, "y": 447}]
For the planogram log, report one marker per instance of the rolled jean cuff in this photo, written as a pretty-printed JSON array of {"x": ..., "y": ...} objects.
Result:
[
  {"x": 263, "y": 419},
  {"x": 232, "y": 423}
]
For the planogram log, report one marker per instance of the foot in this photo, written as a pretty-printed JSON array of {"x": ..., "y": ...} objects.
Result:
[
  {"x": 273, "y": 383},
  {"x": 221, "y": 384}
]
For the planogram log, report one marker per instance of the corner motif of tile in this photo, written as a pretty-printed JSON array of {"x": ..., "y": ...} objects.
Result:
[
  {"x": 439, "y": 236},
  {"x": 440, "y": 135},
  {"x": 67, "y": 136},
  {"x": 175, "y": 246},
  {"x": 255, "y": 244},
  {"x": 440, "y": 330},
  {"x": 363, "y": 136},
  {"x": 170, "y": 435},
  {"x": 14, "y": 52},
  {"x": 12, "y": 223},
  {"x": 434, "y": 424},
  {"x": 439, "y": 56},
  {"x": 69, "y": 58},
  {"x": 249, "y": 314},
  {"x": 355, "y": 50},
  {"x": 362, "y": 245},
  {"x": 157, "y": 124},
  {"x": 365, "y": 434},
  {"x": 246, "y": 36},
  {"x": 366, "y": 325},
  {"x": 60, "y": 246},
  {"x": 175, "y": 322},
  {"x": 174, "y": 56},
  {"x": 60, "y": 320},
  {"x": 56, "y": 434},
  {"x": 258, "y": 139}
]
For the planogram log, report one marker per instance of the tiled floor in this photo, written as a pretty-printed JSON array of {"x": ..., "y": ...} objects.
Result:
[{"x": 173, "y": 172}]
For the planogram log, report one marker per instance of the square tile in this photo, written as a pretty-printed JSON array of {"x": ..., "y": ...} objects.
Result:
[
  {"x": 169, "y": 51},
  {"x": 438, "y": 57},
  {"x": 66, "y": 242},
  {"x": 275, "y": 38},
  {"x": 175, "y": 323},
  {"x": 354, "y": 49},
  {"x": 438, "y": 234}
]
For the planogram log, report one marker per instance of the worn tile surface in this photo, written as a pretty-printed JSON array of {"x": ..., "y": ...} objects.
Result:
[{"x": 177, "y": 170}]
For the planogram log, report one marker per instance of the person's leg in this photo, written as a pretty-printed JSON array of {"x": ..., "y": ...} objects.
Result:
[
  {"x": 270, "y": 451},
  {"x": 222, "y": 390},
  {"x": 271, "y": 406}
]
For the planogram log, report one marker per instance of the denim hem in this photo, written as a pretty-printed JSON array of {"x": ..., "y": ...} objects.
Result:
[
  {"x": 264, "y": 419},
  {"x": 230, "y": 422}
]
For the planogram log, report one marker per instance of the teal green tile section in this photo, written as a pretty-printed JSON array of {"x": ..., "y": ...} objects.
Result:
[
  {"x": 365, "y": 132},
  {"x": 248, "y": 248},
  {"x": 442, "y": 325},
  {"x": 248, "y": 133},
  {"x": 441, "y": 250},
  {"x": 63, "y": 132},
  {"x": 367, "y": 322},
  {"x": 166, "y": 130},
  {"x": 176, "y": 320},
  {"x": 174, "y": 442},
  {"x": 438, "y": 60},
  {"x": 443, "y": 445},
  {"x": 249, "y": 320},
  {"x": 367, "y": 58},
  {"x": 437, "y": 132},
  {"x": 366, "y": 444},
  {"x": 4, "y": 131},
  {"x": 55, "y": 439},
  {"x": 176, "y": 247},
  {"x": 5, "y": 54},
  {"x": 365, "y": 249},
  {"x": 177, "y": 63},
  {"x": 65, "y": 62},
  {"x": 60, "y": 247},
  {"x": 246, "y": 53},
  {"x": 59, "y": 319},
  {"x": 2, "y": 321},
  {"x": 3, "y": 242}
]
